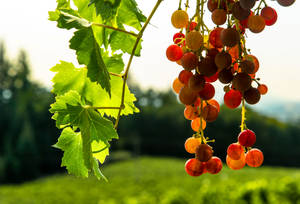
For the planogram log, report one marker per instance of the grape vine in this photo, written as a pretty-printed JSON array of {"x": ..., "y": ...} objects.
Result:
[{"x": 91, "y": 99}]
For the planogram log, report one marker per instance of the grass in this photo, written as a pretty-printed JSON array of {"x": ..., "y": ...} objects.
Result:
[{"x": 160, "y": 180}]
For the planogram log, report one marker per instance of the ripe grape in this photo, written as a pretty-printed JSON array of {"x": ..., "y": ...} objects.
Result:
[
  {"x": 252, "y": 96},
  {"x": 247, "y": 138},
  {"x": 212, "y": 78},
  {"x": 225, "y": 76},
  {"x": 247, "y": 66},
  {"x": 195, "y": 124},
  {"x": 207, "y": 67},
  {"x": 191, "y": 144},
  {"x": 214, "y": 103},
  {"x": 187, "y": 96},
  {"x": 244, "y": 22},
  {"x": 253, "y": 59},
  {"x": 234, "y": 52},
  {"x": 263, "y": 89},
  {"x": 194, "y": 167},
  {"x": 219, "y": 16},
  {"x": 204, "y": 152},
  {"x": 223, "y": 60},
  {"x": 178, "y": 38},
  {"x": 213, "y": 4},
  {"x": 256, "y": 24},
  {"x": 232, "y": 99},
  {"x": 194, "y": 40},
  {"x": 180, "y": 19},
  {"x": 210, "y": 113},
  {"x": 241, "y": 81},
  {"x": 196, "y": 82},
  {"x": 270, "y": 15},
  {"x": 208, "y": 92},
  {"x": 212, "y": 52},
  {"x": 286, "y": 2},
  {"x": 236, "y": 164},
  {"x": 254, "y": 158},
  {"x": 174, "y": 53},
  {"x": 189, "y": 61},
  {"x": 238, "y": 12},
  {"x": 215, "y": 37},
  {"x": 214, "y": 165},
  {"x": 184, "y": 76},
  {"x": 191, "y": 112},
  {"x": 235, "y": 151},
  {"x": 247, "y": 4},
  {"x": 177, "y": 85},
  {"x": 192, "y": 26},
  {"x": 230, "y": 37}
]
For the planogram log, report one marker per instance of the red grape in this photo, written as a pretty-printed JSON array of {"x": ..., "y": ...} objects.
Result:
[
  {"x": 214, "y": 165},
  {"x": 236, "y": 164},
  {"x": 233, "y": 99},
  {"x": 207, "y": 92},
  {"x": 194, "y": 167},
  {"x": 191, "y": 144},
  {"x": 174, "y": 53},
  {"x": 247, "y": 138},
  {"x": 178, "y": 38},
  {"x": 235, "y": 151},
  {"x": 204, "y": 152},
  {"x": 254, "y": 158},
  {"x": 184, "y": 76}
]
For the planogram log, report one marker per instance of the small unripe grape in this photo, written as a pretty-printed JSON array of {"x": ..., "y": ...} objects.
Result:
[
  {"x": 230, "y": 37},
  {"x": 208, "y": 92},
  {"x": 189, "y": 61},
  {"x": 232, "y": 99},
  {"x": 252, "y": 96},
  {"x": 254, "y": 158},
  {"x": 184, "y": 76},
  {"x": 225, "y": 76},
  {"x": 247, "y": 4},
  {"x": 210, "y": 113},
  {"x": 263, "y": 89},
  {"x": 187, "y": 96},
  {"x": 180, "y": 19},
  {"x": 247, "y": 66},
  {"x": 247, "y": 138},
  {"x": 256, "y": 24},
  {"x": 214, "y": 165},
  {"x": 223, "y": 60},
  {"x": 242, "y": 82},
  {"x": 194, "y": 167},
  {"x": 191, "y": 112},
  {"x": 219, "y": 16},
  {"x": 286, "y": 2},
  {"x": 236, "y": 164},
  {"x": 177, "y": 85},
  {"x": 204, "y": 152},
  {"x": 196, "y": 124},
  {"x": 191, "y": 144},
  {"x": 235, "y": 151},
  {"x": 194, "y": 40},
  {"x": 207, "y": 67},
  {"x": 178, "y": 38},
  {"x": 238, "y": 12},
  {"x": 196, "y": 82},
  {"x": 174, "y": 53},
  {"x": 215, "y": 37}
]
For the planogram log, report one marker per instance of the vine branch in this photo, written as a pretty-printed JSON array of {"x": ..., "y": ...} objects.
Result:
[{"x": 139, "y": 37}]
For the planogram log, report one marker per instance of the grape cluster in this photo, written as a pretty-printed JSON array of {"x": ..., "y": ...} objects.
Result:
[{"x": 219, "y": 54}]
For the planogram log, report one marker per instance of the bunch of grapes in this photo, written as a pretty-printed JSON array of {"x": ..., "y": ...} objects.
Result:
[{"x": 218, "y": 54}]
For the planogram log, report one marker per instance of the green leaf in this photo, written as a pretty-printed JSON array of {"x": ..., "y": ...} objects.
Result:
[
  {"x": 113, "y": 63},
  {"x": 97, "y": 171},
  {"x": 101, "y": 150},
  {"x": 106, "y": 8},
  {"x": 89, "y": 53},
  {"x": 70, "y": 78},
  {"x": 69, "y": 110},
  {"x": 130, "y": 15},
  {"x": 71, "y": 143}
]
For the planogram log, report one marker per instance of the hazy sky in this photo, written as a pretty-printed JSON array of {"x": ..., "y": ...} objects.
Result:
[{"x": 24, "y": 25}]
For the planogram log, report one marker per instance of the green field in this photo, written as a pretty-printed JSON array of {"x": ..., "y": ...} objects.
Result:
[{"x": 161, "y": 180}]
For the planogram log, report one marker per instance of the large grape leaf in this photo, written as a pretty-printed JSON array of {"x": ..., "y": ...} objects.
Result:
[
  {"x": 89, "y": 53},
  {"x": 70, "y": 78},
  {"x": 71, "y": 143},
  {"x": 106, "y": 8}
]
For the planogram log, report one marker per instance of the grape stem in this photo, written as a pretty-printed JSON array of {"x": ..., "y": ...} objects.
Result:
[
  {"x": 138, "y": 39},
  {"x": 116, "y": 29},
  {"x": 117, "y": 75},
  {"x": 243, "y": 124},
  {"x": 179, "y": 7}
]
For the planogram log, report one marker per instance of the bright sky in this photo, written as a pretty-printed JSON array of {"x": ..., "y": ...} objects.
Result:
[{"x": 24, "y": 25}]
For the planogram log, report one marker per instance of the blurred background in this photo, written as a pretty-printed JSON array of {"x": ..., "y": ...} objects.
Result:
[{"x": 146, "y": 164}]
